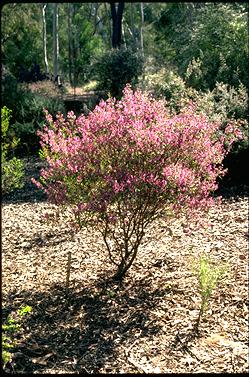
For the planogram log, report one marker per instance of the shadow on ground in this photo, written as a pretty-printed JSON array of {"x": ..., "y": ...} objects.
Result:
[{"x": 80, "y": 331}]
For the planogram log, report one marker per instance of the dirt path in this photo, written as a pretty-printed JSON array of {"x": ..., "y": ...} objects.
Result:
[{"x": 139, "y": 326}]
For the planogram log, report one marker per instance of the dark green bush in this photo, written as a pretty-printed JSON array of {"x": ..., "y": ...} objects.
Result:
[
  {"x": 27, "y": 111},
  {"x": 9, "y": 91},
  {"x": 31, "y": 117},
  {"x": 116, "y": 68},
  {"x": 228, "y": 104}
]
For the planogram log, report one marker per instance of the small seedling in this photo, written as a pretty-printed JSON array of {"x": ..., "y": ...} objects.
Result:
[{"x": 208, "y": 277}]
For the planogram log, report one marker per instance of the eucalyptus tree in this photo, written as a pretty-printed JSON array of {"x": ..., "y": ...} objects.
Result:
[
  {"x": 55, "y": 42},
  {"x": 44, "y": 36}
]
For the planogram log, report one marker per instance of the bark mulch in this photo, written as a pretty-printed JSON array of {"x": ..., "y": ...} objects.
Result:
[{"x": 143, "y": 325}]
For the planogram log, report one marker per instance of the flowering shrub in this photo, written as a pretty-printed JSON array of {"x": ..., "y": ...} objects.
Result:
[{"x": 127, "y": 163}]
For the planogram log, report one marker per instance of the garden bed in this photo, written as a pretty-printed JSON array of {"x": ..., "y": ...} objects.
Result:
[{"x": 139, "y": 326}]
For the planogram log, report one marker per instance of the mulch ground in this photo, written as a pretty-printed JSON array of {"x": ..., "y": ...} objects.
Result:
[{"x": 143, "y": 325}]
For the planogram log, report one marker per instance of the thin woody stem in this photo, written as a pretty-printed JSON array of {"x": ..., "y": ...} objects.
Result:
[{"x": 196, "y": 327}]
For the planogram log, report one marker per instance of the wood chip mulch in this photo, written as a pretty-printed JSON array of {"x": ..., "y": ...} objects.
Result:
[{"x": 139, "y": 326}]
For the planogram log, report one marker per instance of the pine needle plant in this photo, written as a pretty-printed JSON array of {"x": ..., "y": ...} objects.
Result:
[{"x": 208, "y": 275}]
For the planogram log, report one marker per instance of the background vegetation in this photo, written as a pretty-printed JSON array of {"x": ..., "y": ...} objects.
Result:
[{"x": 182, "y": 51}]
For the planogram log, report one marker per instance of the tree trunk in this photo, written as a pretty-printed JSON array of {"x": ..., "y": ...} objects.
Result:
[
  {"x": 69, "y": 20},
  {"x": 109, "y": 25},
  {"x": 95, "y": 10},
  {"x": 117, "y": 23},
  {"x": 201, "y": 311},
  {"x": 132, "y": 24},
  {"x": 44, "y": 37},
  {"x": 141, "y": 28},
  {"x": 55, "y": 42},
  {"x": 74, "y": 56},
  {"x": 123, "y": 34},
  {"x": 98, "y": 24}
]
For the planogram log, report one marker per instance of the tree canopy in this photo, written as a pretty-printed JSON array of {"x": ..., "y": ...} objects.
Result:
[{"x": 203, "y": 42}]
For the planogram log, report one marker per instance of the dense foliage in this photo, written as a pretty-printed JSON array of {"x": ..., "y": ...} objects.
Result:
[
  {"x": 206, "y": 41},
  {"x": 129, "y": 162}
]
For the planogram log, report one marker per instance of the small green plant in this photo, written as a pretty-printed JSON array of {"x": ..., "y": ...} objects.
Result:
[
  {"x": 8, "y": 141},
  {"x": 12, "y": 174},
  {"x": 12, "y": 169},
  {"x": 10, "y": 330},
  {"x": 208, "y": 277}
]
